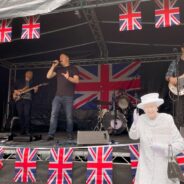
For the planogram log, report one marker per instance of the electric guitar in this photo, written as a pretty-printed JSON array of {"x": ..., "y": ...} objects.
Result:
[
  {"x": 180, "y": 90},
  {"x": 17, "y": 97}
]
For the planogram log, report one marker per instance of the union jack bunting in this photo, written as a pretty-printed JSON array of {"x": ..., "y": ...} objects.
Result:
[
  {"x": 25, "y": 165},
  {"x": 134, "y": 156},
  {"x": 99, "y": 165},
  {"x": 60, "y": 166},
  {"x": 168, "y": 15},
  {"x": 180, "y": 160},
  {"x": 130, "y": 19},
  {"x": 31, "y": 28},
  {"x": 1, "y": 157},
  {"x": 100, "y": 81},
  {"x": 5, "y": 31}
]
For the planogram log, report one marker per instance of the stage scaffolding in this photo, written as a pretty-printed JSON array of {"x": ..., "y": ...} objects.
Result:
[{"x": 80, "y": 153}]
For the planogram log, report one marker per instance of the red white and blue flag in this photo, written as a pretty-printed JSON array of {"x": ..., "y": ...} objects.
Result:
[
  {"x": 100, "y": 81},
  {"x": 31, "y": 28},
  {"x": 25, "y": 165},
  {"x": 130, "y": 18},
  {"x": 60, "y": 166},
  {"x": 180, "y": 160},
  {"x": 1, "y": 157},
  {"x": 168, "y": 14},
  {"x": 134, "y": 157},
  {"x": 5, "y": 31},
  {"x": 99, "y": 165}
]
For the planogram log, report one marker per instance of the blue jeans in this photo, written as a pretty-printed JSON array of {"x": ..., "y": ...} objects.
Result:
[
  {"x": 67, "y": 102},
  {"x": 24, "y": 112}
]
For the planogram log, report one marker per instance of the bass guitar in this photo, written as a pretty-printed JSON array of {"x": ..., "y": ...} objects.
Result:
[{"x": 17, "y": 97}]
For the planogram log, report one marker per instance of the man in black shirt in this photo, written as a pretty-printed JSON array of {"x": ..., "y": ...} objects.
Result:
[
  {"x": 23, "y": 105},
  {"x": 175, "y": 69},
  {"x": 67, "y": 78}
]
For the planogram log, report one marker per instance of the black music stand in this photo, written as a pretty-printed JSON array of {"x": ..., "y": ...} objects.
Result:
[
  {"x": 177, "y": 85},
  {"x": 114, "y": 109}
]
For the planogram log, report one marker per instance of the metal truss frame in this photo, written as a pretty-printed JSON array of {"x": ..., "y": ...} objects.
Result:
[
  {"x": 167, "y": 57},
  {"x": 81, "y": 156},
  {"x": 94, "y": 25}
]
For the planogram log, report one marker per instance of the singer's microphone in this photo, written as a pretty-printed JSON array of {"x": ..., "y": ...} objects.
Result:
[{"x": 55, "y": 62}]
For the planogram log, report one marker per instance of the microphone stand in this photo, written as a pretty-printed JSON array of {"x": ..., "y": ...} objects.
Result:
[{"x": 114, "y": 109}]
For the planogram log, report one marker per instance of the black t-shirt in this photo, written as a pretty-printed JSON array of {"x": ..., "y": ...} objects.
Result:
[
  {"x": 181, "y": 67},
  {"x": 64, "y": 86},
  {"x": 20, "y": 84}
]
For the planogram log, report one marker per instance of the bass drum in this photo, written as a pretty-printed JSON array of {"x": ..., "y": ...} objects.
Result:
[{"x": 114, "y": 126}]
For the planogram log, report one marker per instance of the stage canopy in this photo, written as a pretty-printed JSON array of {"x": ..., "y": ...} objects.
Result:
[{"x": 90, "y": 29}]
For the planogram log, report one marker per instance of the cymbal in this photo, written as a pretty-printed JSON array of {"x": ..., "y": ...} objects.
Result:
[{"x": 99, "y": 102}]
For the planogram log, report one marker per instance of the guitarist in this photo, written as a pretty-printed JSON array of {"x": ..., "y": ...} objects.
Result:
[
  {"x": 23, "y": 105},
  {"x": 171, "y": 77}
]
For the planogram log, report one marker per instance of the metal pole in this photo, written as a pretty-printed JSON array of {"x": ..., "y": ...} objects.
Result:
[
  {"x": 15, "y": 74},
  {"x": 9, "y": 94}
]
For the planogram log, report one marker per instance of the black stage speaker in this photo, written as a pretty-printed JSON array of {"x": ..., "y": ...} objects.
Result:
[{"x": 92, "y": 137}]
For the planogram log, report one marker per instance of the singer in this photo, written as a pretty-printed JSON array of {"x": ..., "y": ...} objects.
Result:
[
  {"x": 174, "y": 76},
  {"x": 67, "y": 77}
]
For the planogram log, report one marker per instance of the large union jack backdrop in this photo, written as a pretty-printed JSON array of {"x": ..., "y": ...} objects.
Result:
[
  {"x": 1, "y": 157},
  {"x": 168, "y": 15},
  {"x": 100, "y": 81},
  {"x": 5, "y": 31},
  {"x": 130, "y": 19},
  {"x": 134, "y": 156},
  {"x": 60, "y": 166},
  {"x": 25, "y": 165},
  {"x": 99, "y": 165},
  {"x": 31, "y": 28}
]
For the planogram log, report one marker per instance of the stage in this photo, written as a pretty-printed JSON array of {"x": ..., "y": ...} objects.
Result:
[{"x": 59, "y": 140}]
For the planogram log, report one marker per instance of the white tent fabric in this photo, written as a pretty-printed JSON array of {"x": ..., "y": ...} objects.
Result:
[{"x": 22, "y": 8}]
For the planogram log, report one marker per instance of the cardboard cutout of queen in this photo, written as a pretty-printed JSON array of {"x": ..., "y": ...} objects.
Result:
[{"x": 155, "y": 131}]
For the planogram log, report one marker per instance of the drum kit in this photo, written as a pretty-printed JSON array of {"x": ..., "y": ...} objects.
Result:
[{"x": 115, "y": 119}]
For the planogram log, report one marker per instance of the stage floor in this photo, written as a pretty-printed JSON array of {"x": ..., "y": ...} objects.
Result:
[{"x": 61, "y": 141}]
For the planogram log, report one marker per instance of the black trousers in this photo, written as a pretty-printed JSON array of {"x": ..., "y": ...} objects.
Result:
[
  {"x": 179, "y": 112},
  {"x": 24, "y": 113}
]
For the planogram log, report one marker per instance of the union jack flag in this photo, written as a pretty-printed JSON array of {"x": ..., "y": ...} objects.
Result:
[
  {"x": 134, "y": 157},
  {"x": 1, "y": 157},
  {"x": 99, "y": 165},
  {"x": 168, "y": 15},
  {"x": 5, "y": 31},
  {"x": 130, "y": 19},
  {"x": 25, "y": 165},
  {"x": 60, "y": 166},
  {"x": 100, "y": 81},
  {"x": 31, "y": 28},
  {"x": 180, "y": 160}
]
